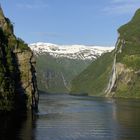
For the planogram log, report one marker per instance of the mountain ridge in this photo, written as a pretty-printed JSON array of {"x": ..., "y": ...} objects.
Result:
[
  {"x": 121, "y": 70},
  {"x": 69, "y": 51},
  {"x": 58, "y": 65}
]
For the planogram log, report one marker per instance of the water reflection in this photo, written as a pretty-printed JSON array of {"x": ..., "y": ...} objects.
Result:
[
  {"x": 18, "y": 126},
  {"x": 64, "y": 117},
  {"x": 85, "y": 118},
  {"x": 128, "y": 119}
]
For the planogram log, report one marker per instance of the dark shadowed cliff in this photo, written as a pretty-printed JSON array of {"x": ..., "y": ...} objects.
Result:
[{"x": 18, "y": 86}]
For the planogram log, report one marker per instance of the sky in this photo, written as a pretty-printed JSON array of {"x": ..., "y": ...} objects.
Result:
[{"x": 87, "y": 22}]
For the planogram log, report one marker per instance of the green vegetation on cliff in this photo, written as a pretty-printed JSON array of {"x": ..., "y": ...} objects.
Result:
[
  {"x": 130, "y": 58},
  {"x": 13, "y": 93},
  {"x": 120, "y": 76},
  {"x": 130, "y": 34}
]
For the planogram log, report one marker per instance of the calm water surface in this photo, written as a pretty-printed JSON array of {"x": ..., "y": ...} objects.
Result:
[{"x": 64, "y": 117}]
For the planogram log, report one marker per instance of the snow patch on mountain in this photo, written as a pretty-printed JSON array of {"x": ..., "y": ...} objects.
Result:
[{"x": 69, "y": 51}]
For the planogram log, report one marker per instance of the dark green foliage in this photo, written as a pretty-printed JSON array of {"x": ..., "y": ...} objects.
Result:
[
  {"x": 130, "y": 33},
  {"x": 11, "y": 92},
  {"x": 22, "y": 45},
  {"x": 6, "y": 71},
  {"x": 130, "y": 56},
  {"x": 9, "y": 28}
]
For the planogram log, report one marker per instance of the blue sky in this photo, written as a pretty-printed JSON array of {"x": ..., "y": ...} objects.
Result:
[{"x": 89, "y": 22}]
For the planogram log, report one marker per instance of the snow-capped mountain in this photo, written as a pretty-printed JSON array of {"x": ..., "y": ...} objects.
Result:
[
  {"x": 57, "y": 65},
  {"x": 69, "y": 51}
]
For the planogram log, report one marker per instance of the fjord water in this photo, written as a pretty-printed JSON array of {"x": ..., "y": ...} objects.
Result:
[{"x": 65, "y": 117}]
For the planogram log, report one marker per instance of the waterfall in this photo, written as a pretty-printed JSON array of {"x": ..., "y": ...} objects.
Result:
[
  {"x": 64, "y": 81},
  {"x": 112, "y": 79}
]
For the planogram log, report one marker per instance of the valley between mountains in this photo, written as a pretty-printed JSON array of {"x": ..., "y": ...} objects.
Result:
[
  {"x": 68, "y": 92},
  {"x": 92, "y": 70},
  {"x": 58, "y": 65}
]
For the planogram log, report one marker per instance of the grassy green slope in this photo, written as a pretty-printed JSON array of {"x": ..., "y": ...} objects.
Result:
[
  {"x": 93, "y": 80},
  {"x": 130, "y": 57},
  {"x": 50, "y": 71},
  {"x": 130, "y": 32}
]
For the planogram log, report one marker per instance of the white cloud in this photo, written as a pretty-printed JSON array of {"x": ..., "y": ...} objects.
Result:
[{"x": 122, "y": 6}]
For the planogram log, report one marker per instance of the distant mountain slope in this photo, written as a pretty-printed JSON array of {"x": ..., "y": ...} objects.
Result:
[
  {"x": 58, "y": 65},
  {"x": 117, "y": 73},
  {"x": 93, "y": 80}
]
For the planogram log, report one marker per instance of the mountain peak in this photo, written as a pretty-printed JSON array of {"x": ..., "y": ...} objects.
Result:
[
  {"x": 131, "y": 30},
  {"x": 136, "y": 15},
  {"x": 69, "y": 51}
]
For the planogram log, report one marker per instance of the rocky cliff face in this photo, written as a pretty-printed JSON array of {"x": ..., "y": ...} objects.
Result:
[
  {"x": 26, "y": 65},
  {"x": 18, "y": 88},
  {"x": 115, "y": 74},
  {"x": 125, "y": 77}
]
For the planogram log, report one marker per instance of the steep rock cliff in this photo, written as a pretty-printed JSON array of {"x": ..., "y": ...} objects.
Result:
[
  {"x": 115, "y": 74},
  {"x": 18, "y": 88},
  {"x": 125, "y": 78}
]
